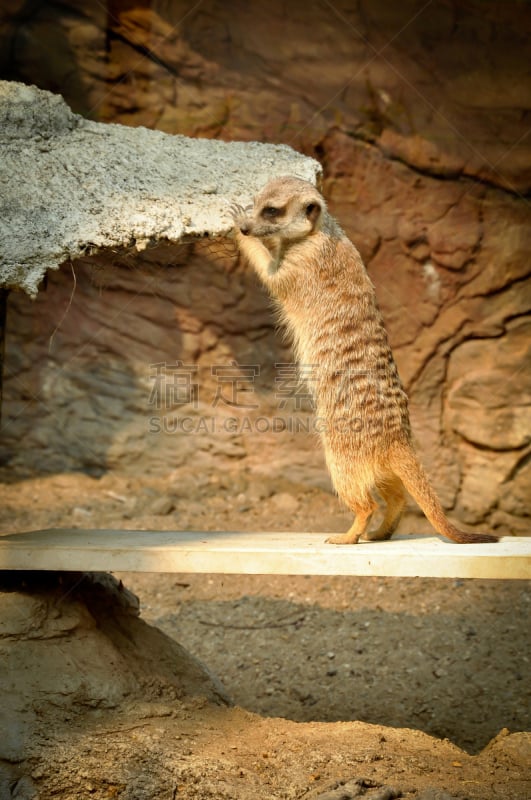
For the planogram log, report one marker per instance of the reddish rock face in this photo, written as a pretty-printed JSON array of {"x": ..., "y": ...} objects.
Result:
[{"x": 418, "y": 116}]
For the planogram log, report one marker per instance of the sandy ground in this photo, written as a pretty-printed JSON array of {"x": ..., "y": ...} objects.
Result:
[{"x": 342, "y": 687}]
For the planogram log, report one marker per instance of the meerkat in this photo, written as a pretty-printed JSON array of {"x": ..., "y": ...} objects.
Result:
[{"x": 328, "y": 304}]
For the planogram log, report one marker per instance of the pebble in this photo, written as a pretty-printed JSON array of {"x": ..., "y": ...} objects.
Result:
[
  {"x": 81, "y": 513},
  {"x": 162, "y": 505},
  {"x": 284, "y": 503}
]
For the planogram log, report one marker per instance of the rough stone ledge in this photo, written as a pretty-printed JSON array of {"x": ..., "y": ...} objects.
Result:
[{"x": 69, "y": 186}]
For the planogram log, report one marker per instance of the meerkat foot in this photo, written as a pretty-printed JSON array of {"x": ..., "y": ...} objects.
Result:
[
  {"x": 352, "y": 536},
  {"x": 363, "y": 508},
  {"x": 385, "y": 531},
  {"x": 343, "y": 538},
  {"x": 378, "y": 535},
  {"x": 392, "y": 491}
]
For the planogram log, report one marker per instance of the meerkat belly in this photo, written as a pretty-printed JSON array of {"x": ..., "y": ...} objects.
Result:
[{"x": 357, "y": 391}]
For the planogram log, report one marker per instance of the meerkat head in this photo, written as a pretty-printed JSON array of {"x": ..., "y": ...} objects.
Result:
[{"x": 285, "y": 211}]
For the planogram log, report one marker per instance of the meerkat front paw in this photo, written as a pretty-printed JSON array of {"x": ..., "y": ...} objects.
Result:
[
  {"x": 236, "y": 209},
  {"x": 239, "y": 217},
  {"x": 238, "y": 213}
]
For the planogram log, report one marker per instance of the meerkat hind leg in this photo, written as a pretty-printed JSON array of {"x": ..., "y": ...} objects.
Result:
[
  {"x": 393, "y": 493},
  {"x": 363, "y": 508}
]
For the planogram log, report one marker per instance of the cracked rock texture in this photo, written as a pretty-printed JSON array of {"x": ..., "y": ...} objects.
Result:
[{"x": 419, "y": 116}]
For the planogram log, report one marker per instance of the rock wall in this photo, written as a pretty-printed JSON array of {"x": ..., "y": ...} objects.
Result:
[{"x": 419, "y": 117}]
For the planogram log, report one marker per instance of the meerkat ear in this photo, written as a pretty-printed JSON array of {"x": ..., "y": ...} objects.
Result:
[{"x": 313, "y": 211}]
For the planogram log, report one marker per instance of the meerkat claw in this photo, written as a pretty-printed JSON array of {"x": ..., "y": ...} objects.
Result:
[{"x": 236, "y": 211}]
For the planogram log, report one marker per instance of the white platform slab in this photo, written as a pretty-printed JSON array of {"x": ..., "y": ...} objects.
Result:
[{"x": 260, "y": 553}]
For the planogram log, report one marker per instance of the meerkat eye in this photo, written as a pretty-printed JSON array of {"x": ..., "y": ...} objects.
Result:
[{"x": 270, "y": 212}]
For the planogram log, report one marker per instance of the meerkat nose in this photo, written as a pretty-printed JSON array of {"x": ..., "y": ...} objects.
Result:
[{"x": 245, "y": 228}]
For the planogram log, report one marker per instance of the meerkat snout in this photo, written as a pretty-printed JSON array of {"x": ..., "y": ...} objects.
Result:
[{"x": 290, "y": 211}]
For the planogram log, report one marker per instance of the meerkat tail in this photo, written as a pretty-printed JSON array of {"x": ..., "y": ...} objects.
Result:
[{"x": 408, "y": 468}]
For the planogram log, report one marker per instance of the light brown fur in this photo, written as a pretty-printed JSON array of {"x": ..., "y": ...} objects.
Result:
[{"x": 328, "y": 304}]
